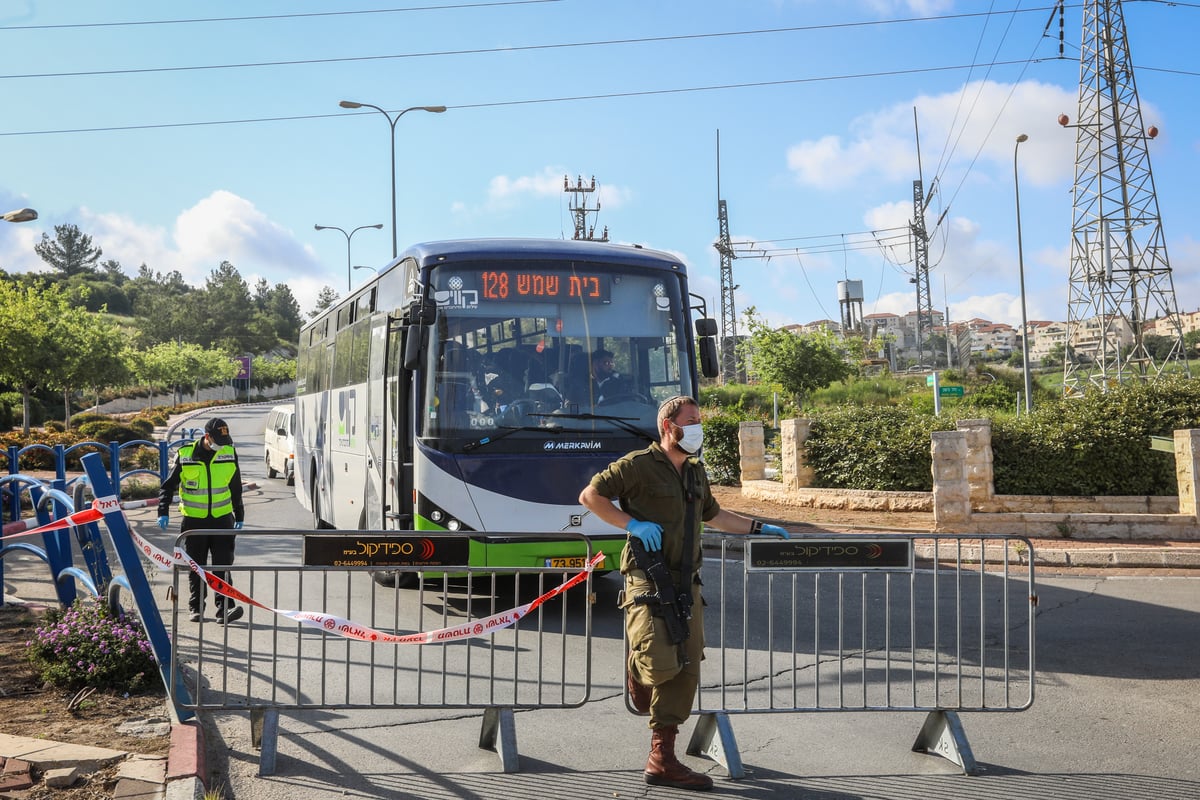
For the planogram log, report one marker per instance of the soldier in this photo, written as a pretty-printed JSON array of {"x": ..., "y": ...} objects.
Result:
[{"x": 663, "y": 501}]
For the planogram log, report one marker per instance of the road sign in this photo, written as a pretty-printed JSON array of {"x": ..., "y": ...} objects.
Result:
[
  {"x": 929, "y": 380},
  {"x": 950, "y": 391}
]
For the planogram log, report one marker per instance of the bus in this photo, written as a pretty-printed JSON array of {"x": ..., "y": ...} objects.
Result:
[{"x": 454, "y": 392}]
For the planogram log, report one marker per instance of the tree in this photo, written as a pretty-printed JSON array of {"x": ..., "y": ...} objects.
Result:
[
  {"x": 70, "y": 251},
  {"x": 161, "y": 305},
  {"x": 225, "y": 312},
  {"x": 92, "y": 356},
  {"x": 327, "y": 298},
  {"x": 32, "y": 340},
  {"x": 799, "y": 363}
]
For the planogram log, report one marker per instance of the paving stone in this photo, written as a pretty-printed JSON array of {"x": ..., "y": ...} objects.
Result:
[{"x": 61, "y": 777}]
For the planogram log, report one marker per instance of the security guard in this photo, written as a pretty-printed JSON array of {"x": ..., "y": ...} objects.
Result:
[
  {"x": 209, "y": 481},
  {"x": 664, "y": 499}
]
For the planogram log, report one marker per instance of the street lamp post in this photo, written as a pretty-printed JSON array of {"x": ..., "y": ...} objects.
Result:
[
  {"x": 392, "y": 120},
  {"x": 20, "y": 215},
  {"x": 1021, "y": 272},
  {"x": 348, "y": 236}
]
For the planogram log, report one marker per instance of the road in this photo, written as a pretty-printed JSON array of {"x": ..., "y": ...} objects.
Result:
[{"x": 1118, "y": 695}]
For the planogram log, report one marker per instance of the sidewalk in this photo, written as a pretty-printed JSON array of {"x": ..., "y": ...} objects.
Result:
[{"x": 176, "y": 777}]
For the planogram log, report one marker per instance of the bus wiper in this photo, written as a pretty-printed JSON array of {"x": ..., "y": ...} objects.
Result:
[
  {"x": 509, "y": 430},
  {"x": 622, "y": 422}
]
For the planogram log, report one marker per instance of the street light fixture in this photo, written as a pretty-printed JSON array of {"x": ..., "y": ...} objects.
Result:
[
  {"x": 20, "y": 215},
  {"x": 348, "y": 236},
  {"x": 1021, "y": 271},
  {"x": 392, "y": 120}
]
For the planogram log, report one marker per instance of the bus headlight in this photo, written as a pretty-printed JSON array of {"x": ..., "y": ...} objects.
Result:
[
  {"x": 453, "y": 525},
  {"x": 436, "y": 515}
]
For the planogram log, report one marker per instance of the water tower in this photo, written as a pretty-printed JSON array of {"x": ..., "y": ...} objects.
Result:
[{"x": 850, "y": 300}]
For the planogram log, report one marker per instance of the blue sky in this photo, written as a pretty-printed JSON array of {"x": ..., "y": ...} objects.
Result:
[{"x": 135, "y": 129}]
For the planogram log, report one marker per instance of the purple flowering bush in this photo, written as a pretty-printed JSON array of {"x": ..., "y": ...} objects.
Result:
[{"x": 89, "y": 645}]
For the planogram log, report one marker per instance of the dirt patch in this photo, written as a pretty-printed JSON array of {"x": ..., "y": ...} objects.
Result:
[{"x": 28, "y": 708}]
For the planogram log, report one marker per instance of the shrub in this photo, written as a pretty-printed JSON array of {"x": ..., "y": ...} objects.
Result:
[
  {"x": 84, "y": 417},
  {"x": 54, "y": 425},
  {"x": 881, "y": 448},
  {"x": 89, "y": 645},
  {"x": 108, "y": 431},
  {"x": 722, "y": 455}
]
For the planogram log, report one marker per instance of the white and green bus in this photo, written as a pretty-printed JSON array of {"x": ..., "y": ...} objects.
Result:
[{"x": 454, "y": 393}]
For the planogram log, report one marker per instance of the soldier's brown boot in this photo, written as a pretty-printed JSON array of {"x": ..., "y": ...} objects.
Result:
[
  {"x": 663, "y": 769},
  {"x": 639, "y": 694}
]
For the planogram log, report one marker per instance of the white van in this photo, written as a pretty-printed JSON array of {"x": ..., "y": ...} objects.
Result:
[{"x": 279, "y": 443}]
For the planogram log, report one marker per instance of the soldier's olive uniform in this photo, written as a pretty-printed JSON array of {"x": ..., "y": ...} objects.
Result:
[{"x": 649, "y": 487}]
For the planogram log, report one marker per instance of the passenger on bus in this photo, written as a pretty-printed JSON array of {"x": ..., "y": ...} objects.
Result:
[
  {"x": 585, "y": 380},
  {"x": 538, "y": 387},
  {"x": 661, "y": 497}
]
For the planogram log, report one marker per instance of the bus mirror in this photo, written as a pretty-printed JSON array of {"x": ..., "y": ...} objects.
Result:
[
  {"x": 706, "y": 326},
  {"x": 415, "y": 340},
  {"x": 709, "y": 367}
]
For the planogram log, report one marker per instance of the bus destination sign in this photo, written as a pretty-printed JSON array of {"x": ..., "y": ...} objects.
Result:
[
  {"x": 353, "y": 550},
  {"x": 845, "y": 554},
  {"x": 518, "y": 285}
]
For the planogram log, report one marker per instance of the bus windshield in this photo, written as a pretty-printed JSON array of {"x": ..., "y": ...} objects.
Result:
[{"x": 519, "y": 356}]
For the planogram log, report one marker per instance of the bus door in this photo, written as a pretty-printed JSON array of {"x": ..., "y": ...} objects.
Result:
[
  {"x": 377, "y": 494},
  {"x": 397, "y": 431}
]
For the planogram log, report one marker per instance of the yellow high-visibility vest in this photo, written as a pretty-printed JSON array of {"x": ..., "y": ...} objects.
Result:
[{"x": 204, "y": 486}]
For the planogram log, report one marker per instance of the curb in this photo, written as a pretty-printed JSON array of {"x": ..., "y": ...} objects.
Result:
[{"x": 186, "y": 762}]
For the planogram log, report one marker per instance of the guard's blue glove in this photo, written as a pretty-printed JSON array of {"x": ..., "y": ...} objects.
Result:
[
  {"x": 237, "y": 526},
  {"x": 775, "y": 530},
  {"x": 650, "y": 533},
  {"x": 162, "y": 522}
]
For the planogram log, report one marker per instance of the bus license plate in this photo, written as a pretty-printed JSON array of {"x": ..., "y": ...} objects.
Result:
[{"x": 574, "y": 562}]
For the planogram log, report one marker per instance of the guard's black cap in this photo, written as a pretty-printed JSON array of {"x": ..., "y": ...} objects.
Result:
[{"x": 218, "y": 429}]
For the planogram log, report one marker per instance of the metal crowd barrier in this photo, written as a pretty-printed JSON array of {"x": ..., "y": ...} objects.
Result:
[
  {"x": 269, "y": 663},
  {"x": 890, "y": 622}
]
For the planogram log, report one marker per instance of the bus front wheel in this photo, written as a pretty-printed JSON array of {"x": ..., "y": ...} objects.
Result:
[
  {"x": 318, "y": 523},
  {"x": 394, "y": 578}
]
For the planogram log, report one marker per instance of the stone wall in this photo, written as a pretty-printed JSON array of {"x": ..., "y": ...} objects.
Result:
[{"x": 963, "y": 499}]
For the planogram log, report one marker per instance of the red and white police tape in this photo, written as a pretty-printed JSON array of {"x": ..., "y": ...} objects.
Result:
[{"x": 326, "y": 622}]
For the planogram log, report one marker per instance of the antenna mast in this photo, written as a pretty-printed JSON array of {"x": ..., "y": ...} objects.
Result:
[
  {"x": 579, "y": 210},
  {"x": 729, "y": 371}
]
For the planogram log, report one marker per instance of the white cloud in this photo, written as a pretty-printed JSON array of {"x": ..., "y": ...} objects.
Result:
[{"x": 979, "y": 121}]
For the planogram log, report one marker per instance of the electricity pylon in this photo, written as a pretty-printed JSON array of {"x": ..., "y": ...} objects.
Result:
[{"x": 1120, "y": 277}]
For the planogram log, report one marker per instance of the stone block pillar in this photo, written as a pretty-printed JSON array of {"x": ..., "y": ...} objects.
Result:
[
  {"x": 1187, "y": 466},
  {"x": 951, "y": 487},
  {"x": 794, "y": 469},
  {"x": 752, "y": 451},
  {"x": 980, "y": 474}
]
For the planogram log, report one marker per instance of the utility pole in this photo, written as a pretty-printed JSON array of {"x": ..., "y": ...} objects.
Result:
[
  {"x": 1120, "y": 277},
  {"x": 729, "y": 372},
  {"x": 579, "y": 210},
  {"x": 921, "y": 263}
]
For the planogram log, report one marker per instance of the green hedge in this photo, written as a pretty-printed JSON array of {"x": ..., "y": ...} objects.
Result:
[{"x": 1095, "y": 445}]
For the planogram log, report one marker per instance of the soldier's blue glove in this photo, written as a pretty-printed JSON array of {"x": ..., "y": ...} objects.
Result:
[
  {"x": 237, "y": 526},
  {"x": 650, "y": 533},
  {"x": 775, "y": 530},
  {"x": 162, "y": 522}
]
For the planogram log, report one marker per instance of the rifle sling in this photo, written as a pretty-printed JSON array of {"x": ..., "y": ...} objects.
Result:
[{"x": 689, "y": 530}]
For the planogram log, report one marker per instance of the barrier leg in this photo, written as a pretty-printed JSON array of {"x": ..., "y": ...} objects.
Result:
[
  {"x": 499, "y": 733},
  {"x": 264, "y": 734},
  {"x": 943, "y": 735},
  {"x": 713, "y": 738}
]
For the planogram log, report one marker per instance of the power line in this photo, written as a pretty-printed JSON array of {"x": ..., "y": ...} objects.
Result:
[
  {"x": 538, "y": 101},
  {"x": 134, "y": 23},
  {"x": 507, "y": 49}
]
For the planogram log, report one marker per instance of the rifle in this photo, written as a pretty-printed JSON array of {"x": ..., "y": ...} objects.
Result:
[{"x": 673, "y": 606}]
